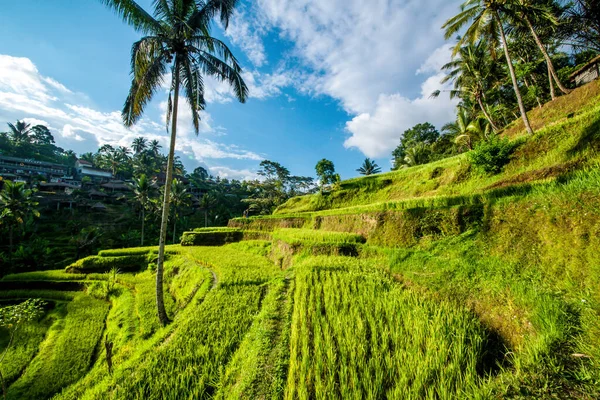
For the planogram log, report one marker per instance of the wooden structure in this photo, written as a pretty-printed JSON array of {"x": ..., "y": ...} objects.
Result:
[{"x": 587, "y": 73}]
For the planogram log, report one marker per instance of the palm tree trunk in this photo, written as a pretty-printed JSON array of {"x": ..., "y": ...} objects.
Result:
[
  {"x": 513, "y": 77},
  {"x": 552, "y": 92},
  {"x": 546, "y": 56},
  {"x": 160, "y": 305},
  {"x": 205, "y": 218},
  {"x": 143, "y": 220},
  {"x": 487, "y": 116}
]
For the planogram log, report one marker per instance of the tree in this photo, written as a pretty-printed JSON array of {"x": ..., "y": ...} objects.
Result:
[
  {"x": 20, "y": 133},
  {"x": 466, "y": 131},
  {"x": 142, "y": 190},
  {"x": 180, "y": 198},
  {"x": 326, "y": 172},
  {"x": 583, "y": 23},
  {"x": 139, "y": 144},
  {"x": 154, "y": 147},
  {"x": 177, "y": 36},
  {"x": 11, "y": 319},
  {"x": 369, "y": 167},
  {"x": 473, "y": 72},
  {"x": 484, "y": 18},
  {"x": 17, "y": 204},
  {"x": 421, "y": 134},
  {"x": 541, "y": 14}
]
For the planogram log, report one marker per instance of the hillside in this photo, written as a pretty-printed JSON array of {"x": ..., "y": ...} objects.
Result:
[{"x": 430, "y": 282}]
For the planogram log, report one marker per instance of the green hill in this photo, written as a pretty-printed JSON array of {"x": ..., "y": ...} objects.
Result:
[{"x": 435, "y": 281}]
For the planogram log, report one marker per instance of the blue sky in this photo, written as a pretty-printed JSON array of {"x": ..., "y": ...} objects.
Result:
[{"x": 336, "y": 79}]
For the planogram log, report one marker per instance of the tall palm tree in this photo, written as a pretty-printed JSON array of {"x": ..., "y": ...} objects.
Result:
[
  {"x": 369, "y": 167},
  {"x": 177, "y": 36},
  {"x": 139, "y": 144},
  {"x": 21, "y": 132},
  {"x": 528, "y": 11},
  {"x": 180, "y": 198},
  {"x": 484, "y": 18},
  {"x": 17, "y": 204},
  {"x": 473, "y": 72},
  {"x": 154, "y": 147},
  {"x": 142, "y": 190}
]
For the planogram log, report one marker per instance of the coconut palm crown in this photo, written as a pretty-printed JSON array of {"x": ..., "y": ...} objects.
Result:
[{"x": 177, "y": 40}]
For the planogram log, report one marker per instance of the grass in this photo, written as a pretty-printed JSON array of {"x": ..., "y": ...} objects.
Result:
[
  {"x": 468, "y": 286},
  {"x": 555, "y": 145},
  {"x": 66, "y": 353},
  {"x": 293, "y": 236},
  {"x": 399, "y": 346}
]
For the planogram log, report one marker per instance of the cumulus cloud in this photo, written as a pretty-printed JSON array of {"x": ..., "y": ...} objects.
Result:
[
  {"x": 27, "y": 94},
  {"x": 230, "y": 173},
  {"x": 366, "y": 55},
  {"x": 247, "y": 37},
  {"x": 376, "y": 133}
]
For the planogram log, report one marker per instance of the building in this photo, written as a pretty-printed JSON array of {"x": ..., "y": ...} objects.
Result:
[
  {"x": 86, "y": 168},
  {"x": 587, "y": 73},
  {"x": 23, "y": 167}
]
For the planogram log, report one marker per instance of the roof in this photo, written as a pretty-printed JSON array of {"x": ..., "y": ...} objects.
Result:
[
  {"x": 59, "y": 184},
  {"x": 593, "y": 61},
  {"x": 95, "y": 192},
  {"x": 84, "y": 162},
  {"x": 116, "y": 186},
  {"x": 32, "y": 161},
  {"x": 99, "y": 206}
]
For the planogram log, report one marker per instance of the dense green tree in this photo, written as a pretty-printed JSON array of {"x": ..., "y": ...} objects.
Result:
[
  {"x": 178, "y": 36},
  {"x": 473, "y": 72},
  {"x": 180, "y": 199},
  {"x": 485, "y": 19},
  {"x": 139, "y": 144},
  {"x": 17, "y": 205},
  {"x": 369, "y": 167},
  {"x": 325, "y": 172},
  {"x": 142, "y": 190},
  {"x": 421, "y": 134}
]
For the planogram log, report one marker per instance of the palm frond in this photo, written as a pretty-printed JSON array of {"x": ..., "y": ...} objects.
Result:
[
  {"x": 202, "y": 17},
  {"x": 214, "y": 66},
  {"x": 149, "y": 66},
  {"x": 134, "y": 15}
]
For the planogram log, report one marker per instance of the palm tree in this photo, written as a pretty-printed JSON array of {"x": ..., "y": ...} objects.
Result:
[
  {"x": 17, "y": 203},
  {"x": 142, "y": 190},
  {"x": 20, "y": 133},
  {"x": 154, "y": 147},
  {"x": 473, "y": 73},
  {"x": 139, "y": 144},
  {"x": 528, "y": 10},
  {"x": 369, "y": 167},
  {"x": 179, "y": 198},
  {"x": 417, "y": 155},
  {"x": 177, "y": 36},
  {"x": 485, "y": 18},
  {"x": 466, "y": 131}
]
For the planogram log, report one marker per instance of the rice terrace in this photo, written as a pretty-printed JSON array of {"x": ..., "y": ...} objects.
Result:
[{"x": 470, "y": 270}]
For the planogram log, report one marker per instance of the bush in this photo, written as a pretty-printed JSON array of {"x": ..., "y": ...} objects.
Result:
[
  {"x": 491, "y": 155},
  {"x": 104, "y": 264},
  {"x": 216, "y": 238}
]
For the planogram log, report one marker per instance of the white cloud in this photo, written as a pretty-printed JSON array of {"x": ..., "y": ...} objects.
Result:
[
  {"x": 366, "y": 55},
  {"x": 434, "y": 63},
  {"x": 26, "y": 94},
  {"x": 247, "y": 37},
  {"x": 358, "y": 50},
  {"x": 230, "y": 173},
  {"x": 376, "y": 133}
]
